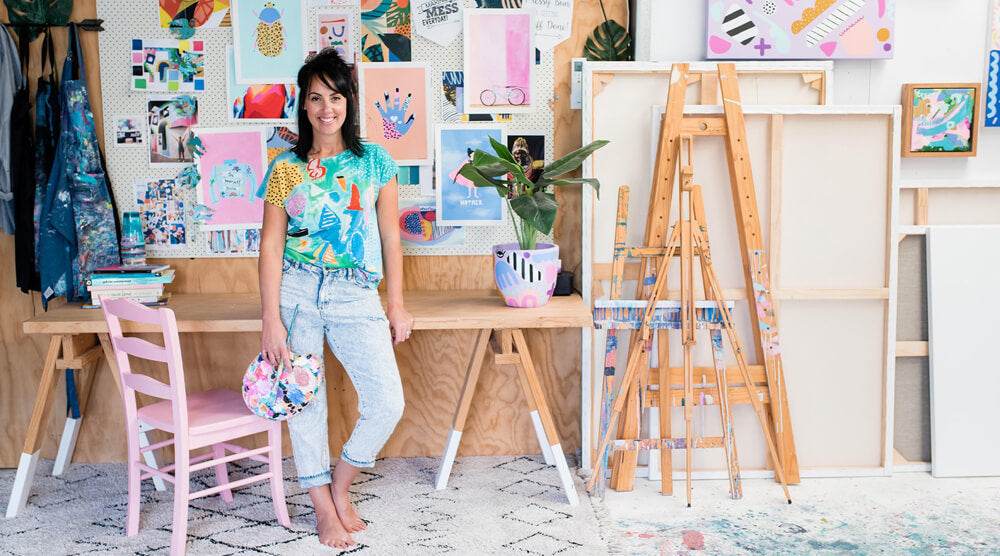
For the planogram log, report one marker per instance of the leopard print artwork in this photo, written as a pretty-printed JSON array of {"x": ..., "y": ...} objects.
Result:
[
  {"x": 389, "y": 130},
  {"x": 270, "y": 38}
]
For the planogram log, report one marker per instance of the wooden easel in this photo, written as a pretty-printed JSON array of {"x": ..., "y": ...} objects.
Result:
[{"x": 731, "y": 127}]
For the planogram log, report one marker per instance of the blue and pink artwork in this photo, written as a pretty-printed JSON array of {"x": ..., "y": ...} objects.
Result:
[
  {"x": 940, "y": 120},
  {"x": 800, "y": 29},
  {"x": 992, "y": 118},
  {"x": 459, "y": 201}
]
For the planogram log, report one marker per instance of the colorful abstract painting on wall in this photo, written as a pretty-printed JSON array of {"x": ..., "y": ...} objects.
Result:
[
  {"x": 168, "y": 65},
  {"x": 231, "y": 169},
  {"x": 197, "y": 13},
  {"x": 168, "y": 128},
  {"x": 802, "y": 30},
  {"x": 334, "y": 29},
  {"x": 385, "y": 31},
  {"x": 459, "y": 201},
  {"x": 161, "y": 208},
  {"x": 499, "y": 61},
  {"x": 258, "y": 101},
  {"x": 419, "y": 227},
  {"x": 992, "y": 103},
  {"x": 940, "y": 119},
  {"x": 268, "y": 39},
  {"x": 395, "y": 112}
]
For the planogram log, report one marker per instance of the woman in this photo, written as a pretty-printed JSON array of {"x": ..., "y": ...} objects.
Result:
[{"x": 329, "y": 230}]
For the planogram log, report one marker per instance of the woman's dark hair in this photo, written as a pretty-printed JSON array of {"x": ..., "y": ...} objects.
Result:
[{"x": 337, "y": 75}]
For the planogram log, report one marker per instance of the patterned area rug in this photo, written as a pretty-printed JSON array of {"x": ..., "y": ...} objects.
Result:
[
  {"x": 493, "y": 505},
  {"x": 910, "y": 513}
]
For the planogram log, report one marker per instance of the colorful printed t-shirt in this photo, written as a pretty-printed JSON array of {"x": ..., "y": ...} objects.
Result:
[{"x": 331, "y": 207}]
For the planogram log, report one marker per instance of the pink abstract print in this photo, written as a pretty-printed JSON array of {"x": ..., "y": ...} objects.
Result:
[{"x": 499, "y": 59}]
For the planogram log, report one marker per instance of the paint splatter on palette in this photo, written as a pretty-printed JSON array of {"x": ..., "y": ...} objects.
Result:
[{"x": 800, "y": 29}]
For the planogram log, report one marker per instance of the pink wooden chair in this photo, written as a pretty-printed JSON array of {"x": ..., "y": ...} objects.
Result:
[{"x": 209, "y": 418}]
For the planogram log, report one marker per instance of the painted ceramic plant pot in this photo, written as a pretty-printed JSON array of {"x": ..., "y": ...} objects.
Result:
[{"x": 525, "y": 277}]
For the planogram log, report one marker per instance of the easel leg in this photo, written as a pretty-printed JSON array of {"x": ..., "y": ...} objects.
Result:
[
  {"x": 462, "y": 410},
  {"x": 722, "y": 383},
  {"x": 666, "y": 456},
  {"x": 530, "y": 376},
  {"x": 33, "y": 442}
]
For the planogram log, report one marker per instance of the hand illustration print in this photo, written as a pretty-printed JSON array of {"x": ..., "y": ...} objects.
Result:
[{"x": 393, "y": 124}]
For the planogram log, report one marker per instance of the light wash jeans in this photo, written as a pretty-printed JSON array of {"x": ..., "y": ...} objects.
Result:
[{"x": 343, "y": 305}]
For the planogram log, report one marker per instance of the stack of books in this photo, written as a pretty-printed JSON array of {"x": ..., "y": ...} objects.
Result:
[{"x": 141, "y": 283}]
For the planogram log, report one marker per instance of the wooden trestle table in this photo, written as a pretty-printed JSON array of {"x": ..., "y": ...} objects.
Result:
[{"x": 79, "y": 339}]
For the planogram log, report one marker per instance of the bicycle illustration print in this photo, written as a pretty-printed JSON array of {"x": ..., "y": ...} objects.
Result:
[{"x": 507, "y": 94}]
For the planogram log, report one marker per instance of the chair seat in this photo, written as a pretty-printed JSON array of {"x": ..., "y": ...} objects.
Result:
[{"x": 208, "y": 412}]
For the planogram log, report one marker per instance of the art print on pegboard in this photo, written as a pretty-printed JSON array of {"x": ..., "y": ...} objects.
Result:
[
  {"x": 269, "y": 40},
  {"x": 231, "y": 168},
  {"x": 195, "y": 13},
  {"x": 802, "y": 30},
  {"x": 395, "y": 111},
  {"x": 169, "y": 120},
  {"x": 499, "y": 61},
  {"x": 334, "y": 29},
  {"x": 258, "y": 101},
  {"x": 161, "y": 209},
  {"x": 168, "y": 65},
  {"x": 385, "y": 31},
  {"x": 459, "y": 201}
]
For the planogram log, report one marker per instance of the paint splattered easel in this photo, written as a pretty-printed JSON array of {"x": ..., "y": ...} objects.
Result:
[{"x": 676, "y": 129}]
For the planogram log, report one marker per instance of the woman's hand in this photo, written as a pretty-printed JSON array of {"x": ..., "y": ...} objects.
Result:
[
  {"x": 401, "y": 324},
  {"x": 272, "y": 343}
]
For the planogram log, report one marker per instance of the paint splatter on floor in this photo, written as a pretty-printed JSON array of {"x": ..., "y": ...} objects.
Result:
[{"x": 906, "y": 514}]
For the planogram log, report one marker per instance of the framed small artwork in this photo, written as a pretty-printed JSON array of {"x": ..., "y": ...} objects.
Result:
[
  {"x": 269, "y": 40},
  {"x": 130, "y": 131},
  {"x": 940, "y": 119},
  {"x": 459, "y": 201},
  {"x": 259, "y": 102},
  {"x": 499, "y": 61},
  {"x": 168, "y": 65},
  {"x": 198, "y": 13},
  {"x": 169, "y": 120},
  {"x": 231, "y": 169},
  {"x": 334, "y": 29},
  {"x": 395, "y": 111}
]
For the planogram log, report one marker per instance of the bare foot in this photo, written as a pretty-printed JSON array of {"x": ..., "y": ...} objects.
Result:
[
  {"x": 331, "y": 531},
  {"x": 348, "y": 517}
]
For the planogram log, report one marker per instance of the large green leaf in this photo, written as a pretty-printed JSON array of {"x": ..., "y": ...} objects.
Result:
[
  {"x": 593, "y": 182},
  {"x": 491, "y": 166},
  {"x": 52, "y": 12},
  {"x": 502, "y": 150},
  {"x": 609, "y": 42},
  {"x": 571, "y": 161},
  {"x": 471, "y": 173},
  {"x": 538, "y": 209}
]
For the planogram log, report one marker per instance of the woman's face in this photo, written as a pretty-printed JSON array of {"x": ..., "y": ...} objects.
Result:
[{"x": 326, "y": 109}]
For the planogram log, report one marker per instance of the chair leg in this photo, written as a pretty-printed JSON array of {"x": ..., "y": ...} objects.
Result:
[
  {"x": 182, "y": 490},
  {"x": 221, "y": 475},
  {"x": 277, "y": 477},
  {"x": 134, "y": 488}
]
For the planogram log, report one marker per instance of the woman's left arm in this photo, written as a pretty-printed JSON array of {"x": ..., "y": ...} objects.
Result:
[{"x": 387, "y": 208}]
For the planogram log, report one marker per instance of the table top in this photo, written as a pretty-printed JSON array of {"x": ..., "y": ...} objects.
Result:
[{"x": 240, "y": 312}]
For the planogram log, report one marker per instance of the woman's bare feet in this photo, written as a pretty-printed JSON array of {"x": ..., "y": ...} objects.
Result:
[
  {"x": 331, "y": 531},
  {"x": 343, "y": 476}
]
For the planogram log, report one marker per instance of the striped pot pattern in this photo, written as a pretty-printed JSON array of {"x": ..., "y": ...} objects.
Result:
[{"x": 525, "y": 277}]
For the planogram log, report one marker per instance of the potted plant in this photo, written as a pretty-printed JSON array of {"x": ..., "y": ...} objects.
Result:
[{"x": 526, "y": 271}]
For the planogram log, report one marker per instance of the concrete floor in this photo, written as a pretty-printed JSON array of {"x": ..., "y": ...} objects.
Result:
[{"x": 909, "y": 513}]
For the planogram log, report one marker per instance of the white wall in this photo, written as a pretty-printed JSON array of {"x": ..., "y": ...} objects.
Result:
[{"x": 936, "y": 41}]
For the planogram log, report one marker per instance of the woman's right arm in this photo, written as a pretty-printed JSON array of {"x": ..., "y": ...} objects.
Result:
[{"x": 272, "y": 250}]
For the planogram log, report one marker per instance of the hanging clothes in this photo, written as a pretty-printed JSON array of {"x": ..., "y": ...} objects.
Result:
[
  {"x": 78, "y": 231},
  {"x": 11, "y": 81},
  {"x": 47, "y": 116},
  {"x": 22, "y": 177}
]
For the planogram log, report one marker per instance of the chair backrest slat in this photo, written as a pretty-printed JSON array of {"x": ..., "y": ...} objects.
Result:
[
  {"x": 141, "y": 348},
  {"x": 148, "y": 385}
]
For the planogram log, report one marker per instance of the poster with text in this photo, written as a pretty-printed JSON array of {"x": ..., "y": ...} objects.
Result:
[
  {"x": 258, "y": 101},
  {"x": 803, "y": 30},
  {"x": 459, "y": 201},
  {"x": 553, "y": 21},
  {"x": 395, "y": 111},
  {"x": 269, "y": 40},
  {"x": 499, "y": 61},
  {"x": 231, "y": 169},
  {"x": 437, "y": 20}
]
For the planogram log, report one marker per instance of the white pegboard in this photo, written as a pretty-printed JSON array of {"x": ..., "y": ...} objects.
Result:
[{"x": 127, "y": 19}]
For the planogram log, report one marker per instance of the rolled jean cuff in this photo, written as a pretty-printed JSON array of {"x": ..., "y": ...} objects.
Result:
[
  {"x": 319, "y": 479},
  {"x": 356, "y": 463}
]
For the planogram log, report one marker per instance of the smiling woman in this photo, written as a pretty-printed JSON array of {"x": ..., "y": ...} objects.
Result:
[{"x": 329, "y": 227}]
